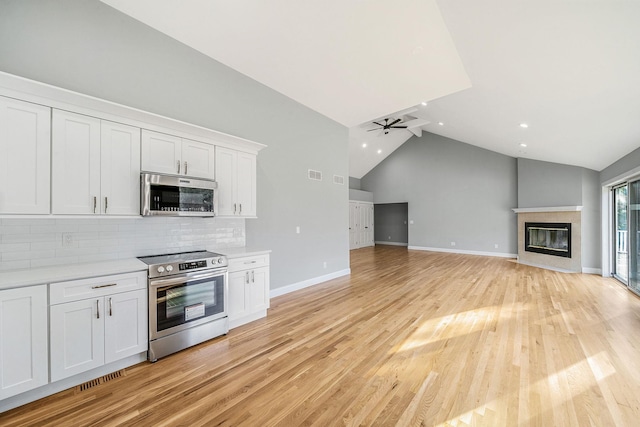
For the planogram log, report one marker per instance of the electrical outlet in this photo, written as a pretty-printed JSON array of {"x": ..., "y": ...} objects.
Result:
[
  {"x": 453, "y": 243},
  {"x": 67, "y": 239},
  {"x": 297, "y": 229},
  {"x": 389, "y": 237},
  {"x": 496, "y": 246},
  {"x": 324, "y": 264}
]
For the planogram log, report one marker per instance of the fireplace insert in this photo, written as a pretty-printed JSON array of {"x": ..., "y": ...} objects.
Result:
[{"x": 550, "y": 238}]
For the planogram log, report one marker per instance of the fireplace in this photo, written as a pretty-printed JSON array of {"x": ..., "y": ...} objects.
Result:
[{"x": 550, "y": 238}]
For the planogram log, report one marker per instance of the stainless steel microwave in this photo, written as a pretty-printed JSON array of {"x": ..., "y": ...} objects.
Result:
[{"x": 170, "y": 195}]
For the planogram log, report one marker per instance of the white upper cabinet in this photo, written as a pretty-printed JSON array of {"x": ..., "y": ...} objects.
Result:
[
  {"x": 96, "y": 166},
  {"x": 119, "y": 169},
  {"x": 162, "y": 153},
  {"x": 25, "y": 146},
  {"x": 236, "y": 177}
]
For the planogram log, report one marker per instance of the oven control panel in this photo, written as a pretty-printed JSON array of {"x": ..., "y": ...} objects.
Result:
[
  {"x": 192, "y": 265},
  {"x": 172, "y": 264}
]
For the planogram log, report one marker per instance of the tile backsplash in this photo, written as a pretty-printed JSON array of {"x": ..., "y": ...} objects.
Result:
[{"x": 27, "y": 243}]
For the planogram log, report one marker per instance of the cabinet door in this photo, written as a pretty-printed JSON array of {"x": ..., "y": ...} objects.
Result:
[
  {"x": 197, "y": 159},
  {"x": 237, "y": 294},
  {"x": 23, "y": 340},
  {"x": 25, "y": 141},
  {"x": 225, "y": 176},
  {"x": 246, "y": 184},
  {"x": 77, "y": 337},
  {"x": 119, "y": 169},
  {"x": 161, "y": 153},
  {"x": 125, "y": 325},
  {"x": 76, "y": 163},
  {"x": 258, "y": 296}
]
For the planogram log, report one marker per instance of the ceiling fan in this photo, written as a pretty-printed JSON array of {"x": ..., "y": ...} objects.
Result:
[{"x": 387, "y": 126}]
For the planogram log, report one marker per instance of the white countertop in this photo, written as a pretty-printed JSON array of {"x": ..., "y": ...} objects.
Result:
[
  {"x": 59, "y": 273},
  {"x": 242, "y": 252}
]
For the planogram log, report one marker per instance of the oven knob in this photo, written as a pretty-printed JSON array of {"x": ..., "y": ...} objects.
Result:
[
  {"x": 220, "y": 260},
  {"x": 169, "y": 268},
  {"x": 161, "y": 269}
]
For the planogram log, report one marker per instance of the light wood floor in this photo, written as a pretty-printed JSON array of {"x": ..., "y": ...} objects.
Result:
[{"x": 411, "y": 339}]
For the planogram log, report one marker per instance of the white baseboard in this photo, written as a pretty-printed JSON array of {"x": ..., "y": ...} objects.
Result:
[
  {"x": 384, "y": 242},
  {"x": 464, "y": 252},
  {"x": 309, "y": 282},
  {"x": 590, "y": 270}
]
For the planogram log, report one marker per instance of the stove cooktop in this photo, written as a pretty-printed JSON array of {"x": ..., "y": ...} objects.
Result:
[{"x": 170, "y": 264}]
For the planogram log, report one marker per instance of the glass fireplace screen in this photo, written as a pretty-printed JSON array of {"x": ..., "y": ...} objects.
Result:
[{"x": 548, "y": 238}]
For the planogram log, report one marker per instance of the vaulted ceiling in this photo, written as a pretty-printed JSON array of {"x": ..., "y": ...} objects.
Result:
[{"x": 569, "y": 70}]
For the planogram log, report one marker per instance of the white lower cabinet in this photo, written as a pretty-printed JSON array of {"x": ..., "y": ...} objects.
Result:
[
  {"x": 248, "y": 289},
  {"x": 24, "y": 364},
  {"x": 96, "y": 321}
]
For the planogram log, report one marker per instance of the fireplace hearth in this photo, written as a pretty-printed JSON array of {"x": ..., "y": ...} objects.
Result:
[{"x": 550, "y": 238}]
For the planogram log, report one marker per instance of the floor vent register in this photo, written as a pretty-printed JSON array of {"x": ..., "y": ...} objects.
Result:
[{"x": 93, "y": 383}]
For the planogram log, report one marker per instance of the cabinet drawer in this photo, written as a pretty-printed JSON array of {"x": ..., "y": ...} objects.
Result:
[
  {"x": 246, "y": 263},
  {"x": 76, "y": 290}
]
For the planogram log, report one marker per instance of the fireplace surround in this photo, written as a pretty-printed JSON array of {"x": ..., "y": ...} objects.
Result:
[{"x": 551, "y": 215}]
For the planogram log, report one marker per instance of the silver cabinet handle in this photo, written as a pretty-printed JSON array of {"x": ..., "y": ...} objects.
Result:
[
  {"x": 253, "y": 276},
  {"x": 178, "y": 166},
  {"x": 104, "y": 286},
  {"x": 95, "y": 203},
  {"x": 234, "y": 208},
  {"x": 110, "y": 307},
  {"x": 106, "y": 204},
  {"x": 185, "y": 167},
  {"x": 250, "y": 262},
  {"x": 97, "y": 309},
  {"x": 246, "y": 277},
  {"x": 240, "y": 208}
]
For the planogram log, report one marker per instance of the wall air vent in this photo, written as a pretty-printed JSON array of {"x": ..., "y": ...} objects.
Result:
[
  {"x": 337, "y": 179},
  {"x": 315, "y": 175}
]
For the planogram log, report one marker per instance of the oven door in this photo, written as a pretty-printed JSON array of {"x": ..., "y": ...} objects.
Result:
[{"x": 180, "y": 302}]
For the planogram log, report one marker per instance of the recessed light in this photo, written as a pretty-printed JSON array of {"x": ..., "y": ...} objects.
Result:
[
  {"x": 423, "y": 103},
  {"x": 379, "y": 151},
  {"x": 524, "y": 125},
  {"x": 523, "y": 145},
  {"x": 364, "y": 145},
  {"x": 440, "y": 123}
]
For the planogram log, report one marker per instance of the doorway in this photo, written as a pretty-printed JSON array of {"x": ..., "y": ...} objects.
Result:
[
  {"x": 391, "y": 224},
  {"x": 621, "y": 233}
]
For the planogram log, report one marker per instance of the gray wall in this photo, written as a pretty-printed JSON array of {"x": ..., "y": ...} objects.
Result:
[
  {"x": 456, "y": 193},
  {"x": 629, "y": 164},
  {"x": 390, "y": 222},
  {"x": 354, "y": 183},
  {"x": 545, "y": 184},
  {"x": 360, "y": 196},
  {"x": 88, "y": 47}
]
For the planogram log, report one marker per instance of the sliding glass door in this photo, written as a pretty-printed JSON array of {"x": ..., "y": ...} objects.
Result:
[
  {"x": 634, "y": 241},
  {"x": 621, "y": 233}
]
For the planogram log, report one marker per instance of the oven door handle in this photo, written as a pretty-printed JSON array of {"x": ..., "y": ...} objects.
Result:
[{"x": 185, "y": 278}]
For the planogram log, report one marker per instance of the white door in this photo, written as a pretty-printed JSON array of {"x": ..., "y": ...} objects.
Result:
[
  {"x": 197, "y": 159},
  {"x": 366, "y": 224},
  {"x": 125, "y": 325},
  {"x": 237, "y": 294},
  {"x": 353, "y": 225},
  {"x": 77, "y": 337},
  {"x": 119, "y": 169},
  {"x": 25, "y": 142},
  {"x": 246, "y": 184},
  {"x": 75, "y": 146},
  {"x": 161, "y": 153},
  {"x": 24, "y": 361},
  {"x": 226, "y": 165},
  {"x": 259, "y": 289}
]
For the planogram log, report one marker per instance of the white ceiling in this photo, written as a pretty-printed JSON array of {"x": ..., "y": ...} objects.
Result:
[{"x": 569, "y": 69}]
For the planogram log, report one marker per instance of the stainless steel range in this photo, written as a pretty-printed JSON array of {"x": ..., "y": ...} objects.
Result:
[{"x": 187, "y": 300}]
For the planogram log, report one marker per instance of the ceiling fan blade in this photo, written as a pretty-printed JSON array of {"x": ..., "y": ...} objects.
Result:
[
  {"x": 379, "y": 124},
  {"x": 371, "y": 130},
  {"x": 398, "y": 127},
  {"x": 393, "y": 122}
]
